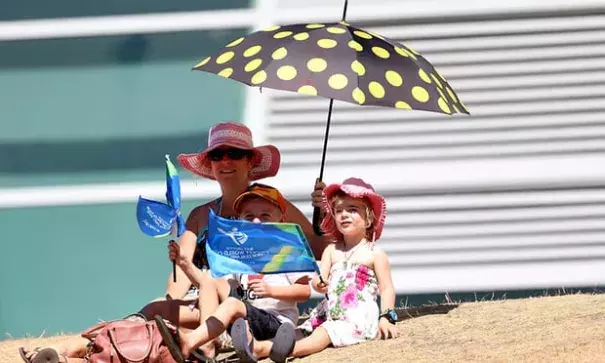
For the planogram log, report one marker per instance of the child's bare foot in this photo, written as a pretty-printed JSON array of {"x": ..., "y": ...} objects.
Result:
[
  {"x": 186, "y": 343},
  {"x": 208, "y": 349},
  {"x": 261, "y": 349}
]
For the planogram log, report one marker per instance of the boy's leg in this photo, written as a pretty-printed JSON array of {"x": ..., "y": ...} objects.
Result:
[
  {"x": 316, "y": 342},
  {"x": 262, "y": 324},
  {"x": 225, "y": 314}
]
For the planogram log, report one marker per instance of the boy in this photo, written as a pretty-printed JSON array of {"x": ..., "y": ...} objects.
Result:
[{"x": 271, "y": 300}]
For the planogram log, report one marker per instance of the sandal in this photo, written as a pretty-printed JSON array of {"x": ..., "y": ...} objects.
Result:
[
  {"x": 283, "y": 343},
  {"x": 173, "y": 345},
  {"x": 46, "y": 355},
  {"x": 239, "y": 334}
]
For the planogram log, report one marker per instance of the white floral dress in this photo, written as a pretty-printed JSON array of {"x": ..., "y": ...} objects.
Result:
[{"x": 350, "y": 314}]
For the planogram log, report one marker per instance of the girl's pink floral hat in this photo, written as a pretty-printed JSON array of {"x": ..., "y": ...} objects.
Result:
[
  {"x": 231, "y": 134},
  {"x": 355, "y": 188}
]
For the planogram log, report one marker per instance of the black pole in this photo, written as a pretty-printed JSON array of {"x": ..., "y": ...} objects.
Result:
[
  {"x": 316, "y": 210},
  {"x": 174, "y": 271}
]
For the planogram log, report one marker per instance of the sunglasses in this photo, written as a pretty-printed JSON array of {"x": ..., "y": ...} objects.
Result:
[{"x": 231, "y": 153}]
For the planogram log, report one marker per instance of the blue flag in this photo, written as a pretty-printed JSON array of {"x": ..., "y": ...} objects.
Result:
[
  {"x": 159, "y": 219},
  {"x": 238, "y": 246}
]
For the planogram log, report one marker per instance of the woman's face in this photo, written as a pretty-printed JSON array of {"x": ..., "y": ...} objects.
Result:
[{"x": 230, "y": 164}]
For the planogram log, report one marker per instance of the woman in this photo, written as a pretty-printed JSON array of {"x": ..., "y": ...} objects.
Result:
[{"x": 234, "y": 162}]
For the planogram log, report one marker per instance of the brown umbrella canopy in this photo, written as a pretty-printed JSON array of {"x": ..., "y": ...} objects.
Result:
[{"x": 338, "y": 61}]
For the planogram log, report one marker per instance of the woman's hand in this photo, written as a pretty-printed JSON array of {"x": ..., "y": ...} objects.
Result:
[
  {"x": 386, "y": 330},
  {"x": 319, "y": 286},
  {"x": 317, "y": 196},
  {"x": 174, "y": 253}
]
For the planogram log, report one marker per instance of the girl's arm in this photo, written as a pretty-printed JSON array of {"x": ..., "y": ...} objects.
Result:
[
  {"x": 382, "y": 268},
  {"x": 197, "y": 219},
  {"x": 178, "y": 289},
  {"x": 317, "y": 243}
]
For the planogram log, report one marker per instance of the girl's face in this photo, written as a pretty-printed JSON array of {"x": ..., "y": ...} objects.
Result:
[
  {"x": 230, "y": 164},
  {"x": 351, "y": 217}
]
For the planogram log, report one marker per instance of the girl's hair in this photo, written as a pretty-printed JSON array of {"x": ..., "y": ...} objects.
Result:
[{"x": 370, "y": 217}]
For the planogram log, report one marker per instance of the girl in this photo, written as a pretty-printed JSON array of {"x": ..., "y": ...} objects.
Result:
[{"x": 355, "y": 270}]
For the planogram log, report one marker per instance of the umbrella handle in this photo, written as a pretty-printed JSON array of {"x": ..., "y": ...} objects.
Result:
[
  {"x": 174, "y": 271},
  {"x": 316, "y": 210},
  {"x": 317, "y": 221}
]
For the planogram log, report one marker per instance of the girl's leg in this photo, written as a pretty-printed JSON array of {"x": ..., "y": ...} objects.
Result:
[
  {"x": 214, "y": 325},
  {"x": 73, "y": 348},
  {"x": 30, "y": 355},
  {"x": 212, "y": 292},
  {"x": 316, "y": 342},
  {"x": 177, "y": 312}
]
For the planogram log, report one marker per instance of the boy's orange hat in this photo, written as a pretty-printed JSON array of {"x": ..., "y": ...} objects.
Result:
[{"x": 262, "y": 191}]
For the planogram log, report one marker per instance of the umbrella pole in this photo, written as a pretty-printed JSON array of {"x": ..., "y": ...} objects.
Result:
[{"x": 316, "y": 210}]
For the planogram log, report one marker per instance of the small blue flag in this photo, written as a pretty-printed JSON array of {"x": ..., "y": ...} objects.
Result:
[
  {"x": 159, "y": 219},
  {"x": 238, "y": 246}
]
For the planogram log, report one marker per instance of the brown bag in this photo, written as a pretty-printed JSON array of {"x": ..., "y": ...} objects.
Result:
[{"x": 124, "y": 341}]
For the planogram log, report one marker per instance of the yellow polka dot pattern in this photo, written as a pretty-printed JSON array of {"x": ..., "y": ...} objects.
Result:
[{"x": 335, "y": 60}]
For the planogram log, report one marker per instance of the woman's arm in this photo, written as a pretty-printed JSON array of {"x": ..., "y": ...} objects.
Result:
[{"x": 317, "y": 243}]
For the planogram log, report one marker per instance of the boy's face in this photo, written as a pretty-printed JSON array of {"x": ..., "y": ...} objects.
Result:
[{"x": 259, "y": 210}]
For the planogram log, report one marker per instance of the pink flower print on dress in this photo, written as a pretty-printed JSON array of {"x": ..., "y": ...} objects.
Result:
[
  {"x": 348, "y": 299},
  {"x": 317, "y": 321},
  {"x": 362, "y": 276}
]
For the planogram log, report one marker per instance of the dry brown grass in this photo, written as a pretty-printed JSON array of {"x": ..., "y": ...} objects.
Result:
[{"x": 547, "y": 329}]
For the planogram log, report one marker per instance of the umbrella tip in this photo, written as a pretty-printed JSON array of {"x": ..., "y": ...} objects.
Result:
[{"x": 167, "y": 156}]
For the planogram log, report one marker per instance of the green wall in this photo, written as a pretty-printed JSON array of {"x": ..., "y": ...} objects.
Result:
[
  {"x": 63, "y": 268},
  {"x": 96, "y": 110},
  {"x": 29, "y": 9},
  {"x": 106, "y": 109}
]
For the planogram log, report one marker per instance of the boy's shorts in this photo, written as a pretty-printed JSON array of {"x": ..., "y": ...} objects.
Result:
[{"x": 262, "y": 323}]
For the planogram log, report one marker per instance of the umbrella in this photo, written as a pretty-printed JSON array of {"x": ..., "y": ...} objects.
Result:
[
  {"x": 336, "y": 61},
  {"x": 158, "y": 219}
]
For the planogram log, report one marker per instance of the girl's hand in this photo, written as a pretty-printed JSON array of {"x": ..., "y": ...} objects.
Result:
[
  {"x": 317, "y": 196},
  {"x": 319, "y": 286},
  {"x": 174, "y": 253},
  {"x": 260, "y": 287},
  {"x": 386, "y": 330}
]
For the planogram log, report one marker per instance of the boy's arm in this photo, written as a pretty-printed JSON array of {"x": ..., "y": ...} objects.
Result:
[
  {"x": 324, "y": 269},
  {"x": 297, "y": 292}
]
